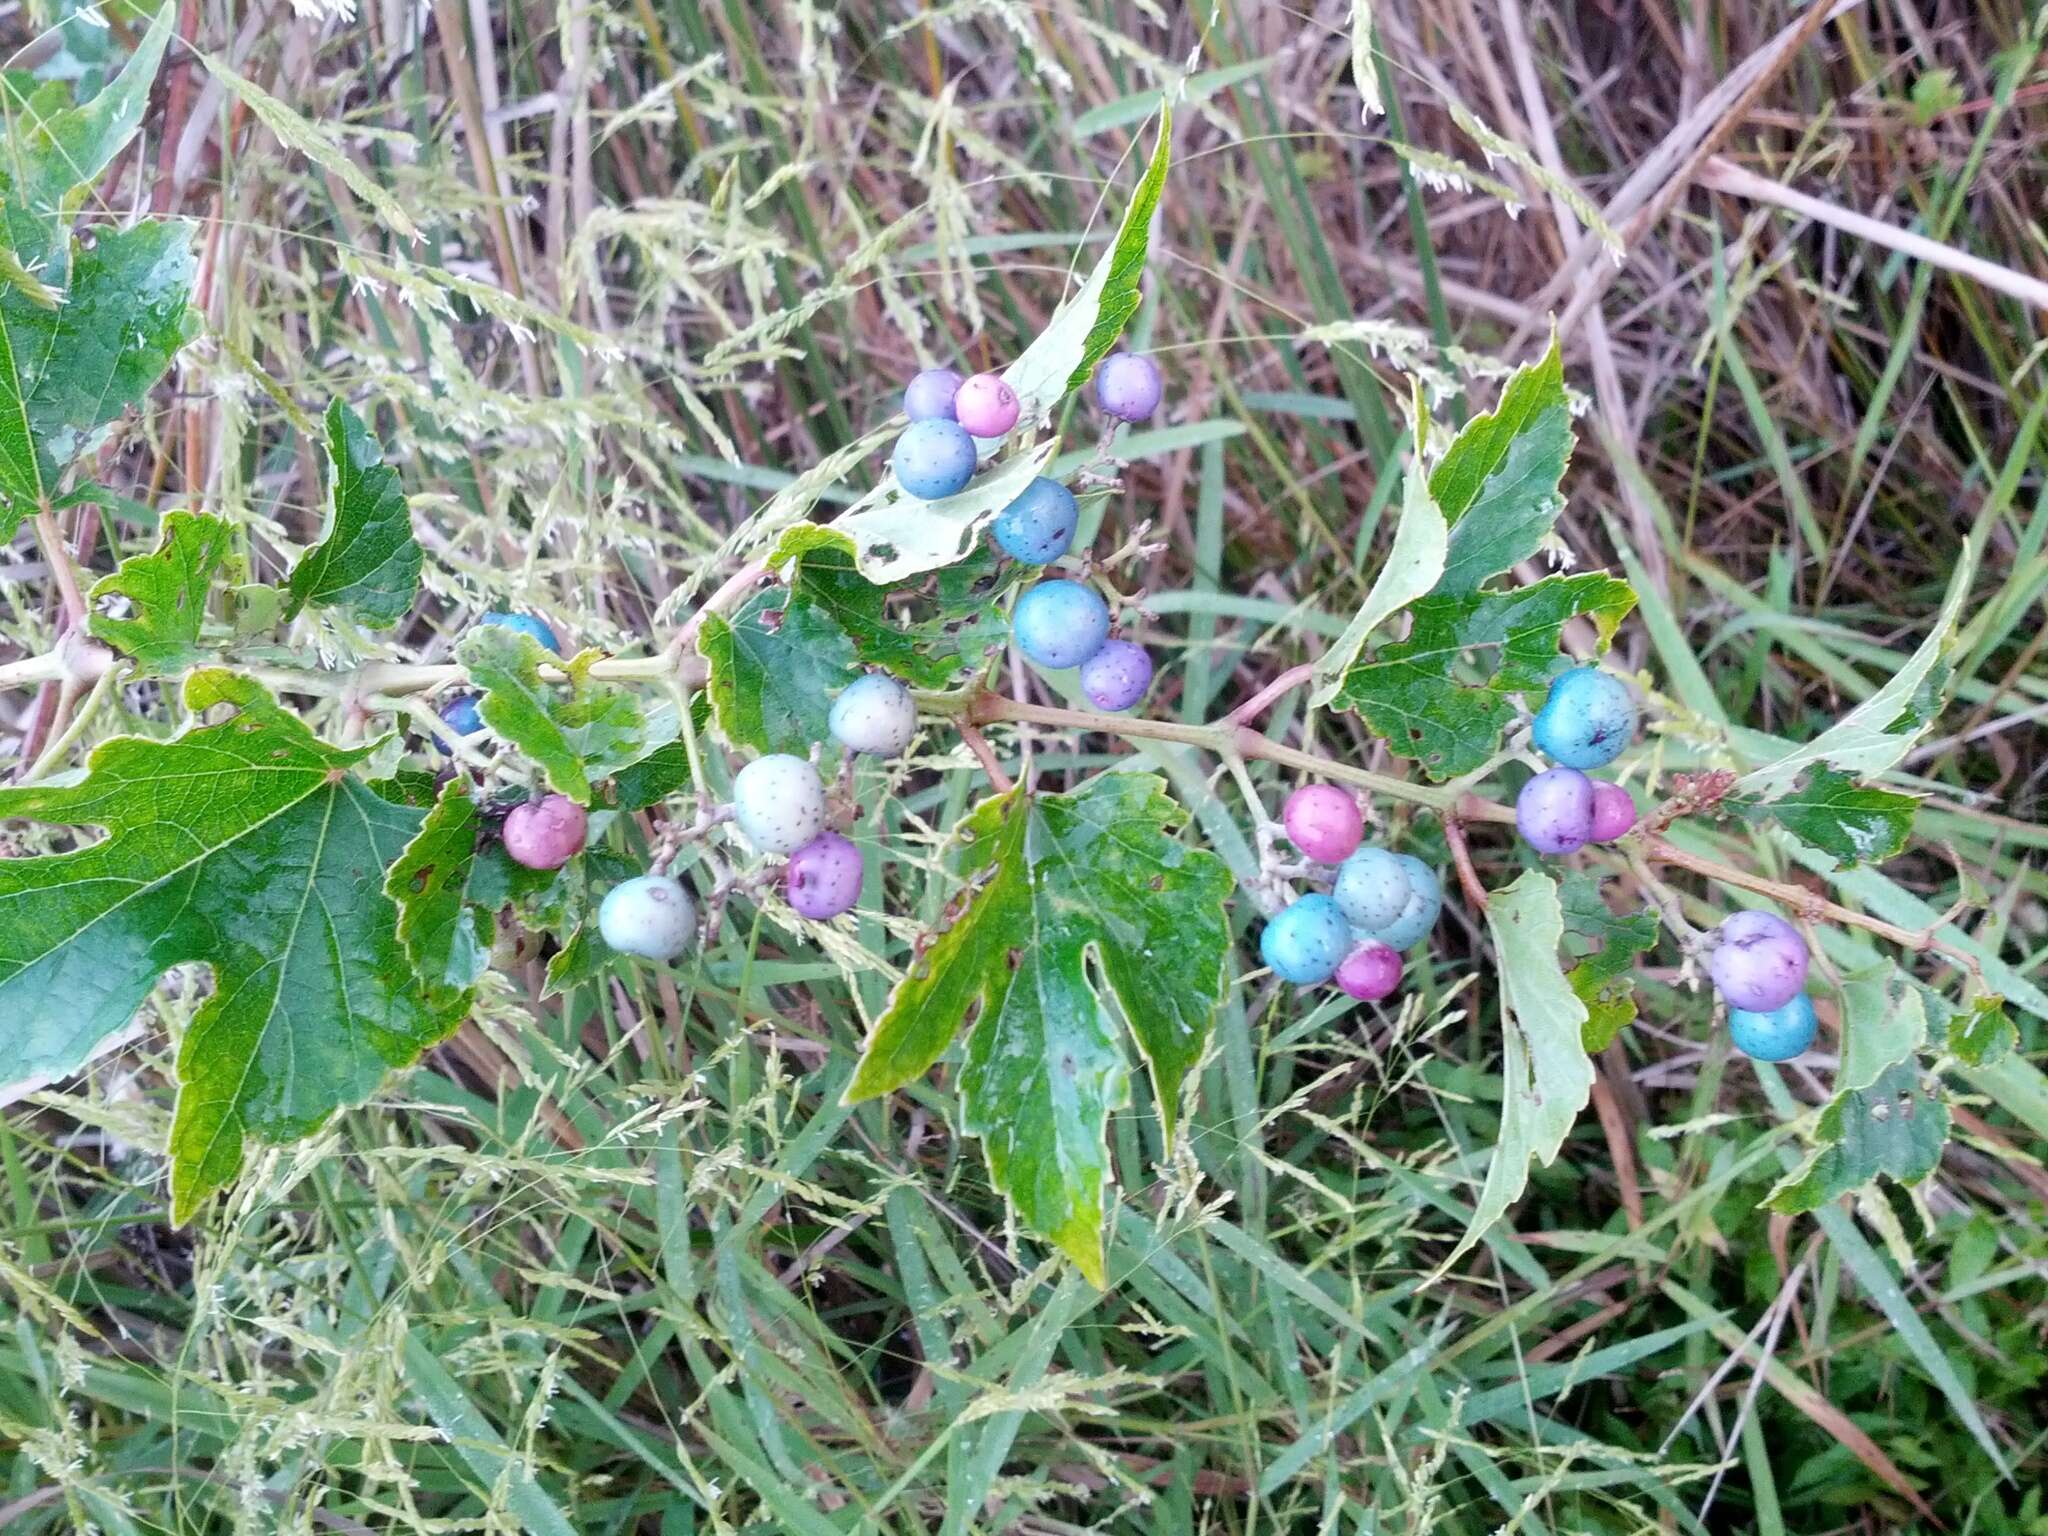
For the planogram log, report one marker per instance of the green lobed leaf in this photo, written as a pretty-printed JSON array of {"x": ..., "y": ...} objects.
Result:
[
  {"x": 1984, "y": 1034},
  {"x": 1546, "y": 1076},
  {"x": 367, "y": 560},
  {"x": 247, "y": 845},
  {"x": 1498, "y": 482},
  {"x": 1896, "y": 1126},
  {"x": 166, "y": 590},
  {"x": 578, "y": 731},
  {"x": 1069, "y": 894},
  {"x": 446, "y": 934},
  {"x": 1837, "y": 815},
  {"x": 583, "y": 957},
  {"x": 775, "y": 667},
  {"x": 65, "y": 373},
  {"x": 1413, "y": 566},
  {"x": 1604, "y": 980},
  {"x": 1409, "y": 693},
  {"x": 1884, "y": 1022},
  {"x": 897, "y": 536}
]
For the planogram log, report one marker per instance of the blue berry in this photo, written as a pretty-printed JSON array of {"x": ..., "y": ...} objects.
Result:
[
  {"x": 930, "y": 395},
  {"x": 1372, "y": 889},
  {"x": 1307, "y": 942},
  {"x": 1038, "y": 527},
  {"x": 526, "y": 624},
  {"x": 1116, "y": 676},
  {"x": 934, "y": 458},
  {"x": 1587, "y": 721},
  {"x": 460, "y": 715},
  {"x": 1779, "y": 1035},
  {"x": 1425, "y": 903},
  {"x": 1061, "y": 623},
  {"x": 1128, "y": 386}
]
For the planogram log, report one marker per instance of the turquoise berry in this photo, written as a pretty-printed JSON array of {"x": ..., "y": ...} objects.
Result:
[
  {"x": 1418, "y": 917},
  {"x": 1060, "y": 623},
  {"x": 1587, "y": 721},
  {"x": 526, "y": 624},
  {"x": 1038, "y": 527},
  {"x": 1372, "y": 889},
  {"x": 1307, "y": 942},
  {"x": 930, "y": 395},
  {"x": 1779, "y": 1035},
  {"x": 934, "y": 458}
]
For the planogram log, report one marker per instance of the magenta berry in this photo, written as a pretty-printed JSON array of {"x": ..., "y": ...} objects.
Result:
[
  {"x": 823, "y": 878},
  {"x": 1369, "y": 972},
  {"x": 1759, "y": 962},
  {"x": 1128, "y": 386},
  {"x": 546, "y": 833},
  {"x": 1116, "y": 676},
  {"x": 1555, "y": 811},
  {"x": 986, "y": 406},
  {"x": 1323, "y": 822},
  {"x": 1614, "y": 811}
]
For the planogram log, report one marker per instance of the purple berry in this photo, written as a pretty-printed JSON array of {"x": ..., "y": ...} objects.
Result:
[
  {"x": 1555, "y": 811},
  {"x": 1116, "y": 676},
  {"x": 1759, "y": 962},
  {"x": 986, "y": 406},
  {"x": 1128, "y": 386},
  {"x": 1614, "y": 811},
  {"x": 546, "y": 833},
  {"x": 1323, "y": 821},
  {"x": 823, "y": 878},
  {"x": 1369, "y": 972},
  {"x": 930, "y": 395}
]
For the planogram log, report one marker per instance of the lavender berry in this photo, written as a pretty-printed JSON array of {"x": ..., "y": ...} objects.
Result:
[
  {"x": 1759, "y": 963},
  {"x": 930, "y": 395},
  {"x": 986, "y": 406},
  {"x": 1060, "y": 623},
  {"x": 1038, "y": 526},
  {"x": 1128, "y": 386},
  {"x": 823, "y": 878},
  {"x": 1555, "y": 811},
  {"x": 546, "y": 833},
  {"x": 1323, "y": 821},
  {"x": 1116, "y": 676},
  {"x": 933, "y": 458}
]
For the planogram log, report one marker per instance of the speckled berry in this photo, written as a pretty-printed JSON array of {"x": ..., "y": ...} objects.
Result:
[
  {"x": 1038, "y": 526},
  {"x": 779, "y": 802},
  {"x": 460, "y": 715},
  {"x": 1306, "y": 942},
  {"x": 1128, "y": 386},
  {"x": 651, "y": 916},
  {"x": 823, "y": 878},
  {"x": 1614, "y": 811},
  {"x": 1779, "y": 1035},
  {"x": 1372, "y": 889},
  {"x": 986, "y": 406},
  {"x": 933, "y": 458},
  {"x": 1587, "y": 721},
  {"x": 546, "y": 833},
  {"x": 1323, "y": 821},
  {"x": 1555, "y": 811},
  {"x": 1116, "y": 676},
  {"x": 930, "y": 395},
  {"x": 1425, "y": 904},
  {"x": 874, "y": 714},
  {"x": 1060, "y": 623},
  {"x": 1759, "y": 961},
  {"x": 1370, "y": 972},
  {"x": 526, "y": 624}
]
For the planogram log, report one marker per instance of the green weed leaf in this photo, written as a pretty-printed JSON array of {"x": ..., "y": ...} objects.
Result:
[
  {"x": 1832, "y": 812},
  {"x": 446, "y": 932},
  {"x": 1069, "y": 895},
  {"x": 578, "y": 731},
  {"x": 1896, "y": 1127},
  {"x": 166, "y": 590},
  {"x": 775, "y": 667},
  {"x": 1604, "y": 979},
  {"x": 1498, "y": 482},
  {"x": 367, "y": 560},
  {"x": 1884, "y": 1022}
]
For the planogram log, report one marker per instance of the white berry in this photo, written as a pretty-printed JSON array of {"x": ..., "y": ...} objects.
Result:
[
  {"x": 779, "y": 802},
  {"x": 652, "y": 917},
  {"x": 875, "y": 714}
]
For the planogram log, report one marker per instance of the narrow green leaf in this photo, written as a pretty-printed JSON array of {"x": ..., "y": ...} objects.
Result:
[
  {"x": 1056, "y": 879},
  {"x": 247, "y": 845},
  {"x": 1546, "y": 1077},
  {"x": 367, "y": 560},
  {"x": 578, "y": 730},
  {"x": 166, "y": 590},
  {"x": 1896, "y": 1126},
  {"x": 1834, "y": 813},
  {"x": 1498, "y": 482},
  {"x": 775, "y": 667}
]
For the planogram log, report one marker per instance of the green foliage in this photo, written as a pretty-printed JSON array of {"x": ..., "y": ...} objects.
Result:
[
  {"x": 1895, "y": 1127},
  {"x": 897, "y": 536},
  {"x": 367, "y": 560},
  {"x": 447, "y": 934},
  {"x": 1411, "y": 691},
  {"x": 1604, "y": 979},
  {"x": 1497, "y": 485},
  {"x": 247, "y": 845},
  {"x": 1060, "y": 879},
  {"x": 775, "y": 668},
  {"x": 1112, "y": 288},
  {"x": 1835, "y": 814},
  {"x": 166, "y": 590},
  {"x": 578, "y": 731}
]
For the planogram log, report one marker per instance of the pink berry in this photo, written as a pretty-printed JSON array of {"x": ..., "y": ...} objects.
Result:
[
  {"x": 986, "y": 406},
  {"x": 1323, "y": 822},
  {"x": 1614, "y": 811},
  {"x": 1370, "y": 972},
  {"x": 823, "y": 878},
  {"x": 546, "y": 833}
]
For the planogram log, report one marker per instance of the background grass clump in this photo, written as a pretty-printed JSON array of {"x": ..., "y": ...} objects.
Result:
[{"x": 609, "y": 277}]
